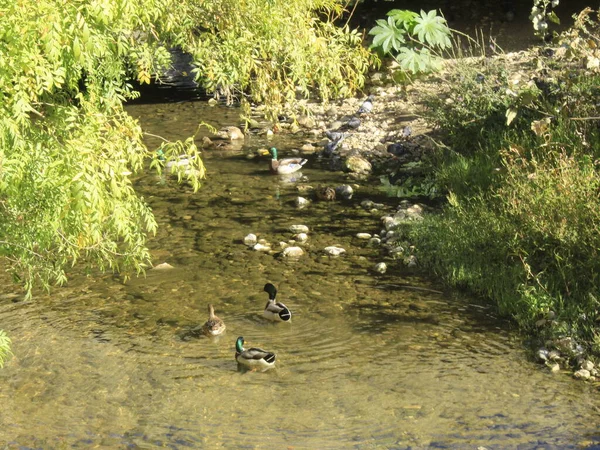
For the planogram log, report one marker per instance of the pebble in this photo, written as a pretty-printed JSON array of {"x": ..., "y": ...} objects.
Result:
[
  {"x": 301, "y": 202},
  {"x": 292, "y": 252},
  {"x": 364, "y": 236},
  {"x": 163, "y": 266},
  {"x": 344, "y": 191},
  {"x": 554, "y": 367},
  {"x": 302, "y": 237},
  {"x": 587, "y": 365},
  {"x": 334, "y": 251},
  {"x": 250, "y": 240},
  {"x": 380, "y": 267},
  {"x": 410, "y": 261},
  {"x": 374, "y": 242},
  {"x": 299, "y": 229},
  {"x": 261, "y": 248},
  {"x": 582, "y": 374}
]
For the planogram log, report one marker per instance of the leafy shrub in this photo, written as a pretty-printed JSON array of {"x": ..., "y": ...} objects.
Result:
[
  {"x": 523, "y": 183},
  {"x": 413, "y": 40}
]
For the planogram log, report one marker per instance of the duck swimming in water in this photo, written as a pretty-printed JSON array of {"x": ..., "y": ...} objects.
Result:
[
  {"x": 284, "y": 166},
  {"x": 275, "y": 310},
  {"x": 254, "y": 358}
]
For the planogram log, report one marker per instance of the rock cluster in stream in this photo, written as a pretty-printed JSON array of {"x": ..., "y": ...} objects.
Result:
[{"x": 295, "y": 247}]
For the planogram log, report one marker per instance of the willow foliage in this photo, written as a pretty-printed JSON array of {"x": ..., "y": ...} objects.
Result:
[
  {"x": 68, "y": 149},
  {"x": 274, "y": 49}
]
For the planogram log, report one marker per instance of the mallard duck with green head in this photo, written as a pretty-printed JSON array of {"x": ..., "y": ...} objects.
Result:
[
  {"x": 254, "y": 358},
  {"x": 284, "y": 166},
  {"x": 213, "y": 326},
  {"x": 275, "y": 310}
]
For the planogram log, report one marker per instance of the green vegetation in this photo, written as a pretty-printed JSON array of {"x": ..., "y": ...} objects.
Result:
[
  {"x": 522, "y": 177},
  {"x": 4, "y": 348},
  {"x": 273, "y": 50},
  {"x": 416, "y": 39}
]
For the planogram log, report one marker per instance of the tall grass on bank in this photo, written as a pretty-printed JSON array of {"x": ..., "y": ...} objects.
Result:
[{"x": 522, "y": 225}]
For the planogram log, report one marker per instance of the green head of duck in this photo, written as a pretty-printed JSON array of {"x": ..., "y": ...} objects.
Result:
[
  {"x": 239, "y": 344},
  {"x": 273, "y": 152}
]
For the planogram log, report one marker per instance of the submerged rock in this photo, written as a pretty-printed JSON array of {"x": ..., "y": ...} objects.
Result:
[
  {"x": 380, "y": 267},
  {"x": 163, "y": 266},
  {"x": 364, "y": 236},
  {"x": 299, "y": 229},
  {"x": 262, "y": 247},
  {"x": 250, "y": 240},
  {"x": 302, "y": 237},
  {"x": 334, "y": 251},
  {"x": 344, "y": 191},
  {"x": 292, "y": 252},
  {"x": 301, "y": 202}
]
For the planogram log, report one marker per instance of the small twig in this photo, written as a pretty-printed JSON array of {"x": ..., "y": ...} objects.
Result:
[
  {"x": 12, "y": 244},
  {"x": 584, "y": 118},
  {"x": 351, "y": 13},
  {"x": 156, "y": 136}
]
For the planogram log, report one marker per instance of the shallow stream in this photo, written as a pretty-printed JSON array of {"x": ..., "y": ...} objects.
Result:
[{"x": 369, "y": 361}]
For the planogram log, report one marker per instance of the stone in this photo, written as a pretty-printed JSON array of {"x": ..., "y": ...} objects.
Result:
[
  {"x": 357, "y": 164},
  {"x": 582, "y": 374},
  {"x": 542, "y": 354},
  {"x": 163, "y": 266},
  {"x": 250, "y": 240},
  {"x": 212, "y": 101},
  {"x": 344, "y": 192},
  {"x": 364, "y": 236},
  {"x": 553, "y": 355},
  {"x": 410, "y": 261},
  {"x": 296, "y": 229},
  {"x": 389, "y": 223},
  {"x": 587, "y": 365},
  {"x": 308, "y": 148},
  {"x": 302, "y": 237},
  {"x": 306, "y": 121},
  {"x": 232, "y": 133},
  {"x": 262, "y": 248},
  {"x": 334, "y": 251},
  {"x": 301, "y": 202},
  {"x": 292, "y": 252},
  {"x": 554, "y": 367},
  {"x": 335, "y": 125},
  {"x": 380, "y": 267},
  {"x": 374, "y": 242},
  {"x": 206, "y": 142}
]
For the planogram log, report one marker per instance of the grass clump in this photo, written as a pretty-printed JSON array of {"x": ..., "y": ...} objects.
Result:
[{"x": 521, "y": 172}]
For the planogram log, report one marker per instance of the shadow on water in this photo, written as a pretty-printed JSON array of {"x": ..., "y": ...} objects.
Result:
[{"x": 368, "y": 360}]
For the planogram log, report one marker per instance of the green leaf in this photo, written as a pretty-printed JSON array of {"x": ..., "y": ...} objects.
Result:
[
  {"x": 403, "y": 17},
  {"x": 511, "y": 114},
  {"x": 432, "y": 29},
  {"x": 387, "y": 35}
]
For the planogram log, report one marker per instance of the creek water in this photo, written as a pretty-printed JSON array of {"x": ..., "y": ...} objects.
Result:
[{"x": 368, "y": 361}]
